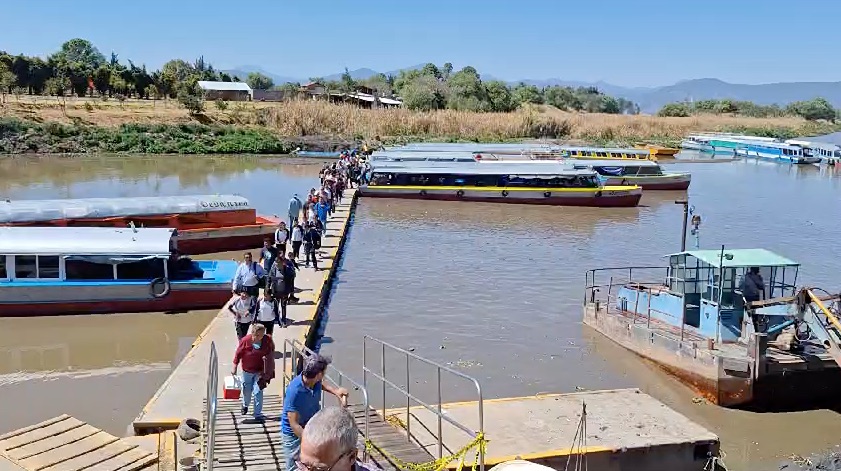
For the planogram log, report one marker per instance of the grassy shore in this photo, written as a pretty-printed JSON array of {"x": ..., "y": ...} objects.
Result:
[{"x": 43, "y": 124}]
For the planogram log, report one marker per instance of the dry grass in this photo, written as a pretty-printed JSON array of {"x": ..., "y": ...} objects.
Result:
[{"x": 310, "y": 118}]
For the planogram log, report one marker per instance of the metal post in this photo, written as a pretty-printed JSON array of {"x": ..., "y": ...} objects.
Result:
[
  {"x": 685, "y": 204},
  {"x": 382, "y": 372},
  {"x": 408, "y": 401},
  {"x": 648, "y": 325},
  {"x": 440, "y": 427}
]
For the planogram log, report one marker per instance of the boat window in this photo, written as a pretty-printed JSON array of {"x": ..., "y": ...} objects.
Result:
[
  {"x": 26, "y": 266},
  {"x": 650, "y": 170},
  {"x": 142, "y": 270},
  {"x": 82, "y": 270},
  {"x": 48, "y": 267},
  {"x": 615, "y": 154},
  {"x": 3, "y": 273}
]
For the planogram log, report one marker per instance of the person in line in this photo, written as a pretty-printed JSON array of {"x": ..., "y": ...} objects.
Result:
[
  {"x": 312, "y": 242},
  {"x": 279, "y": 290},
  {"x": 266, "y": 311},
  {"x": 289, "y": 273},
  {"x": 281, "y": 235},
  {"x": 321, "y": 210},
  {"x": 254, "y": 352},
  {"x": 267, "y": 255},
  {"x": 248, "y": 276},
  {"x": 297, "y": 239},
  {"x": 243, "y": 310},
  {"x": 295, "y": 206},
  {"x": 330, "y": 442},
  {"x": 301, "y": 401}
]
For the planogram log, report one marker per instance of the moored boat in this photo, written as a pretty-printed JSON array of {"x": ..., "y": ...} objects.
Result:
[
  {"x": 205, "y": 223},
  {"x": 500, "y": 183},
  {"x": 85, "y": 270},
  {"x": 658, "y": 152},
  {"x": 317, "y": 154},
  {"x": 777, "y": 152},
  {"x": 698, "y": 142},
  {"x": 696, "y": 322},
  {"x": 826, "y": 151}
]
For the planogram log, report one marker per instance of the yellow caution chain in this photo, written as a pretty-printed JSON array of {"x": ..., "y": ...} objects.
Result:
[{"x": 479, "y": 443}]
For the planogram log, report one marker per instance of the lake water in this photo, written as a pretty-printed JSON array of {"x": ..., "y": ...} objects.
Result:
[{"x": 494, "y": 290}]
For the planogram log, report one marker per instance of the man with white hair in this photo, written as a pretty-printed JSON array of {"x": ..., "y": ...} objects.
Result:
[{"x": 329, "y": 443}]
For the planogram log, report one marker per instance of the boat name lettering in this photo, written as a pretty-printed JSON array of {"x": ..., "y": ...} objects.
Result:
[{"x": 224, "y": 204}]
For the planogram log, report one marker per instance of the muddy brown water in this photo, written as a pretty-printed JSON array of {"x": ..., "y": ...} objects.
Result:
[{"x": 493, "y": 290}]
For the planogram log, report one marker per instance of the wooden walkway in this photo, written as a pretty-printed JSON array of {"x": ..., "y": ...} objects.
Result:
[
  {"x": 256, "y": 446},
  {"x": 64, "y": 443}
]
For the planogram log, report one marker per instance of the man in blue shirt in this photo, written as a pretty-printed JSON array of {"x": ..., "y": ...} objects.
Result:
[
  {"x": 322, "y": 209},
  {"x": 301, "y": 401}
]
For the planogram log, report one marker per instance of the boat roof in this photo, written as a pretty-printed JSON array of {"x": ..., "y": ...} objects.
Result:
[
  {"x": 87, "y": 208},
  {"x": 739, "y": 258},
  {"x": 813, "y": 144},
  {"x": 477, "y": 168},
  {"x": 85, "y": 241}
]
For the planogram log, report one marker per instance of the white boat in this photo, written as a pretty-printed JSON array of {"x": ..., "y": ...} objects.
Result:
[
  {"x": 503, "y": 182},
  {"x": 85, "y": 270},
  {"x": 826, "y": 151},
  {"x": 776, "y": 152}
]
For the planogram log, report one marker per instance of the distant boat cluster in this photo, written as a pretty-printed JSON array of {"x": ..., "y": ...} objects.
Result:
[{"x": 794, "y": 151}]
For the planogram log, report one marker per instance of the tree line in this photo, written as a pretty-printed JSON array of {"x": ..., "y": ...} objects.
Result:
[
  {"x": 79, "y": 68},
  {"x": 812, "y": 110}
]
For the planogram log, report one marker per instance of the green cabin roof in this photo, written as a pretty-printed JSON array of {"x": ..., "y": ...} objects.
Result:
[{"x": 739, "y": 258}]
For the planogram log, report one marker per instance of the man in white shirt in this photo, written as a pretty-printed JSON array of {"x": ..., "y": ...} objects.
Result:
[{"x": 247, "y": 277}]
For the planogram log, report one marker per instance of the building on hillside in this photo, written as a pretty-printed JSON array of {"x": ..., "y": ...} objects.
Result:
[
  {"x": 270, "y": 95},
  {"x": 313, "y": 89},
  {"x": 365, "y": 100},
  {"x": 227, "y": 91}
]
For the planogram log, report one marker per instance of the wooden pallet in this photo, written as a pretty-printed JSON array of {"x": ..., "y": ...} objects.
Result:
[{"x": 64, "y": 443}]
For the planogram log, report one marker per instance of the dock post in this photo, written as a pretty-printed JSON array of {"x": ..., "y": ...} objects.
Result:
[
  {"x": 408, "y": 401},
  {"x": 440, "y": 425},
  {"x": 758, "y": 347},
  {"x": 648, "y": 324}
]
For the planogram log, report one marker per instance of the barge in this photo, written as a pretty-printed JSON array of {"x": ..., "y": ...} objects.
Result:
[
  {"x": 498, "y": 183},
  {"x": 87, "y": 270},
  {"x": 204, "y": 223},
  {"x": 693, "y": 319}
]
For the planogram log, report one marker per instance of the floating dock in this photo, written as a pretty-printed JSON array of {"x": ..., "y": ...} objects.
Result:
[
  {"x": 182, "y": 394},
  {"x": 625, "y": 429}
]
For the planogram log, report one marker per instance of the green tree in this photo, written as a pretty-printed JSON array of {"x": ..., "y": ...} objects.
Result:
[
  {"x": 258, "y": 81},
  {"x": 422, "y": 93},
  {"x": 57, "y": 86},
  {"x": 102, "y": 79},
  {"x": 499, "y": 96},
  {"x": 348, "y": 83},
  {"x": 191, "y": 98},
  {"x": 380, "y": 83},
  {"x": 82, "y": 53},
  {"x": 431, "y": 69},
  {"x": 563, "y": 98},
  {"x": 675, "y": 110},
  {"x": 467, "y": 92},
  {"x": 813, "y": 110},
  {"x": 523, "y": 94},
  {"x": 447, "y": 70}
]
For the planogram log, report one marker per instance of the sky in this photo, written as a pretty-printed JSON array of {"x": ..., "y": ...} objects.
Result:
[{"x": 639, "y": 43}]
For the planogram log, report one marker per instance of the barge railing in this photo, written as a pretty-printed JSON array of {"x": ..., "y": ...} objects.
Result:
[
  {"x": 211, "y": 405},
  {"x": 407, "y": 357},
  {"x": 295, "y": 352}
]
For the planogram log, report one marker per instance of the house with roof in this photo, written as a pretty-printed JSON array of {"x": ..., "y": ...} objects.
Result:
[{"x": 227, "y": 91}]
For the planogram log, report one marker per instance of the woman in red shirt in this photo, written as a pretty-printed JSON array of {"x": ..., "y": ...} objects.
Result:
[{"x": 256, "y": 353}]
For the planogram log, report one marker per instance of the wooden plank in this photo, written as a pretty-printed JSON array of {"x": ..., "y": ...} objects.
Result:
[
  {"x": 66, "y": 452},
  {"x": 49, "y": 443},
  {"x": 135, "y": 457},
  {"x": 97, "y": 456},
  {"x": 30, "y": 428},
  {"x": 33, "y": 435}
]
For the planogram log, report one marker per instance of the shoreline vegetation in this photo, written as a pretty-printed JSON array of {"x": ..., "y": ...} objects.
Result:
[
  {"x": 87, "y": 125},
  {"x": 78, "y": 101}
]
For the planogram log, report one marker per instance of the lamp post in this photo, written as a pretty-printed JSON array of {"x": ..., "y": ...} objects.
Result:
[{"x": 685, "y": 204}]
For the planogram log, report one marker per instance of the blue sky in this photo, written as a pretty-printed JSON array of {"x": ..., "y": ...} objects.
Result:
[{"x": 624, "y": 42}]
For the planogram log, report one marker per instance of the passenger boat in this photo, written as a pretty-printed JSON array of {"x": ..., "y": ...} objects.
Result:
[
  {"x": 206, "y": 224},
  {"x": 698, "y": 142},
  {"x": 777, "y": 152},
  {"x": 727, "y": 143},
  {"x": 647, "y": 174},
  {"x": 829, "y": 153},
  {"x": 499, "y": 183},
  {"x": 659, "y": 152},
  {"x": 696, "y": 323},
  {"x": 607, "y": 153},
  {"x": 83, "y": 270}
]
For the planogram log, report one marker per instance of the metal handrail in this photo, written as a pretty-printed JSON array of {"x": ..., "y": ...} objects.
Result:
[
  {"x": 437, "y": 409},
  {"x": 212, "y": 402},
  {"x": 301, "y": 351}
]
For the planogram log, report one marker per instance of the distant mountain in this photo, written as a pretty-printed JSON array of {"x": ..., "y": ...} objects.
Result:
[{"x": 650, "y": 99}]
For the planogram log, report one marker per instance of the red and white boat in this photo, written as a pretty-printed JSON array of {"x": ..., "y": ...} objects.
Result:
[
  {"x": 205, "y": 223},
  {"x": 46, "y": 271}
]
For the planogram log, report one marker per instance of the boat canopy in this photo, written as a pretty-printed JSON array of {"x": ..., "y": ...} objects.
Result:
[
  {"x": 87, "y": 242},
  {"x": 502, "y": 168},
  {"x": 94, "y": 208},
  {"x": 739, "y": 258}
]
